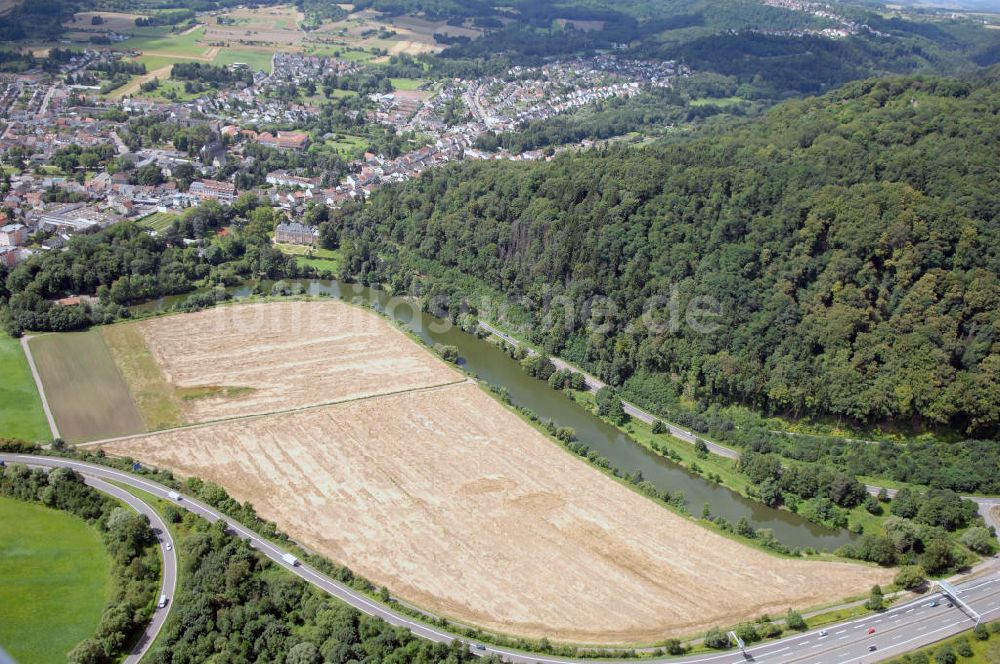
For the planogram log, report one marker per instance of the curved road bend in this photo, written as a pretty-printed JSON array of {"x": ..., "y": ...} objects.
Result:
[
  {"x": 168, "y": 584},
  {"x": 897, "y": 630},
  {"x": 593, "y": 384}
]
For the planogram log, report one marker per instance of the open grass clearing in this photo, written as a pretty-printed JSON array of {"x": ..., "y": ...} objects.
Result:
[
  {"x": 257, "y": 59},
  {"x": 321, "y": 264},
  {"x": 314, "y": 257},
  {"x": 159, "y": 221},
  {"x": 21, "y": 414},
  {"x": 407, "y": 83},
  {"x": 56, "y": 580},
  {"x": 172, "y": 90},
  {"x": 85, "y": 390},
  {"x": 348, "y": 144},
  {"x": 722, "y": 102}
]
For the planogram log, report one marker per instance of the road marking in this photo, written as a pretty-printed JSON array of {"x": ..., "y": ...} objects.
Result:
[
  {"x": 910, "y": 611},
  {"x": 841, "y": 631},
  {"x": 842, "y": 638}
]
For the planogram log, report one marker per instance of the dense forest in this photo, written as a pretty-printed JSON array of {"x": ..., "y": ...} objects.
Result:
[{"x": 845, "y": 250}]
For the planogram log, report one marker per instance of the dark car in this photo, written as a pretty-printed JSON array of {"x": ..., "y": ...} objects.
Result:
[{"x": 872, "y": 648}]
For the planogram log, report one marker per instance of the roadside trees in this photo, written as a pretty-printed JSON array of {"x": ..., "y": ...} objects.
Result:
[
  {"x": 794, "y": 620},
  {"x": 876, "y": 602},
  {"x": 910, "y": 577}
]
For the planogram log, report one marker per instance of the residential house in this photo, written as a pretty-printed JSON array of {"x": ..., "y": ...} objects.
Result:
[
  {"x": 295, "y": 233},
  {"x": 285, "y": 140},
  {"x": 13, "y": 235},
  {"x": 224, "y": 192}
]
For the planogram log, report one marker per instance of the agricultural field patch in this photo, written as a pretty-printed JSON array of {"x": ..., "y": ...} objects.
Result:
[
  {"x": 121, "y": 22},
  {"x": 272, "y": 27},
  {"x": 21, "y": 414},
  {"x": 457, "y": 504},
  {"x": 370, "y": 30},
  {"x": 56, "y": 578},
  {"x": 426, "y": 28},
  {"x": 85, "y": 390},
  {"x": 179, "y": 46},
  {"x": 265, "y": 357}
]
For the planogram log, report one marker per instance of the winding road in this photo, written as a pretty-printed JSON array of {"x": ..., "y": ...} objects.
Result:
[{"x": 893, "y": 632}]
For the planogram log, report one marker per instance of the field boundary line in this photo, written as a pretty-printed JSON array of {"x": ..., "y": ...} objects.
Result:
[
  {"x": 287, "y": 411},
  {"x": 53, "y": 427}
]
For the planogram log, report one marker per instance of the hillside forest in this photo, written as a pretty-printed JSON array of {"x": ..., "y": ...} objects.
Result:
[{"x": 848, "y": 242}]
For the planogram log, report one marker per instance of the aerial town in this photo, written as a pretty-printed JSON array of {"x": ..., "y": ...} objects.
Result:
[{"x": 48, "y": 117}]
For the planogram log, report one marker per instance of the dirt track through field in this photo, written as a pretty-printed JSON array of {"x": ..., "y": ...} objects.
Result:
[{"x": 454, "y": 502}]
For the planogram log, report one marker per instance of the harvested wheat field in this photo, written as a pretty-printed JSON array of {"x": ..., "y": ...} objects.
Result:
[
  {"x": 260, "y": 358},
  {"x": 455, "y": 503}
]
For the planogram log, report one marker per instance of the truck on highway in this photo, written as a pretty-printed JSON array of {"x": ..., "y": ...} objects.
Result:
[
  {"x": 173, "y": 495},
  {"x": 290, "y": 559}
]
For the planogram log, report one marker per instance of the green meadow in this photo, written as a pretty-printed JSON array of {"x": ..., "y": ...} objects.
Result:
[
  {"x": 56, "y": 580},
  {"x": 21, "y": 414}
]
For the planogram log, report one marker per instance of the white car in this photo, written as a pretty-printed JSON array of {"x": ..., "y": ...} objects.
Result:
[{"x": 169, "y": 546}]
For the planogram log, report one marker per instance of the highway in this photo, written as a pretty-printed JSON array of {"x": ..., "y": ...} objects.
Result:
[{"x": 897, "y": 630}]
